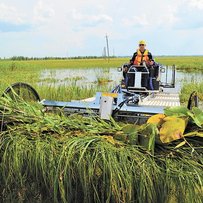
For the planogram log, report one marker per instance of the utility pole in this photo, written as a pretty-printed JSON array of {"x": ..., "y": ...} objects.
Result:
[
  {"x": 107, "y": 46},
  {"x": 104, "y": 53}
]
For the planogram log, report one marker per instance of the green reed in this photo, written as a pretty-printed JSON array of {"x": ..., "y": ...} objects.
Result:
[
  {"x": 188, "y": 63},
  {"x": 55, "y": 158},
  {"x": 188, "y": 88},
  {"x": 29, "y": 72},
  {"x": 70, "y": 92}
]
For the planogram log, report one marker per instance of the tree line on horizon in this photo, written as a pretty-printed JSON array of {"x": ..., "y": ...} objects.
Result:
[{"x": 24, "y": 58}]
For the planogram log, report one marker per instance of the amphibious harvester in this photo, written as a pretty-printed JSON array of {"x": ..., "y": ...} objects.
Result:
[{"x": 144, "y": 91}]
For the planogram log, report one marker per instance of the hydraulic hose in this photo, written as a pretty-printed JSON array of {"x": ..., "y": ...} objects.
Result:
[{"x": 133, "y": 98}]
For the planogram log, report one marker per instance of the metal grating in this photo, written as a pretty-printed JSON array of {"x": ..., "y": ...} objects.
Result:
[{"x": 161, "y": 99}]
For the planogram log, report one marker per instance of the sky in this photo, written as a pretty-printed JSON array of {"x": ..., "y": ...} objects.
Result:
[{"x": 67, "y": 28}]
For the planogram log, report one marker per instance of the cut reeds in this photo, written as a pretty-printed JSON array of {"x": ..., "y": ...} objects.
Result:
[{"x": 55, "y": 158}]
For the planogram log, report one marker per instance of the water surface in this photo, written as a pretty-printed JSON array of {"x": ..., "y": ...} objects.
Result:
[{"x": 90, "y": 77}]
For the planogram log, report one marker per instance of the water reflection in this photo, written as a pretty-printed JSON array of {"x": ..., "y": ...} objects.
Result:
[
  {"x": 90, "y": 77},
  {"x": 81, "y": 77}
]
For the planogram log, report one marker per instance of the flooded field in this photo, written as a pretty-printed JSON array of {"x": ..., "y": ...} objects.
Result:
[
  {"x": 87, "y": 77},
  {"x": 81, "y": 77}
]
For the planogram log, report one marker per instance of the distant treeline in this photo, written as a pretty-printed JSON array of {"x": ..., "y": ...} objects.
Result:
[{"x": 23, "y": 58}]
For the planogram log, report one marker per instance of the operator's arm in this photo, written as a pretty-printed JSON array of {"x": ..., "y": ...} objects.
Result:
[
  {"x": 133, "y": 58},
  {"x": 150, "y": 58}
]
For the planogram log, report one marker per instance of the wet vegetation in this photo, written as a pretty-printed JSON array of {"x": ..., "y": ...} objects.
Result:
[
  {"x": 54, "y": 158},
  {"x": 30, "y": 70},
  {"x": 47, "y": 157}
]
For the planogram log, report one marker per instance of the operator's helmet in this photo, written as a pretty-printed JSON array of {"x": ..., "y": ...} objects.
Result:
[{"x": 142, "y": 42}]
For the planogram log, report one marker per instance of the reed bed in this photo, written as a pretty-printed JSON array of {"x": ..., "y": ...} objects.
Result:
[
  {"x": 187, "y": 63},
  {"x": 188, "y": 88},
  {"x": 47, "y": 157},
  {"x": 70, "y": 92},
  {"x": 29, "y": 71}
]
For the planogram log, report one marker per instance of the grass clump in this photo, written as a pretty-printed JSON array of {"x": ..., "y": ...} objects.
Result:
[
  {"x": 54, "y": 158},
  {"x": 67, "y": 93},
  {"x": 188, "y": 88}
]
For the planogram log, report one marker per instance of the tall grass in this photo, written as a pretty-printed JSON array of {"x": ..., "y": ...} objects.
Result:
[
  {"x": 71, "y": 92},
  {"x": 187, "y": 63},
  {"x": 188, "y": 88},
  {"x": 29, "y": 72},
  {"x": 69, "y": 63},
  {"x": 54, "y": 158}
]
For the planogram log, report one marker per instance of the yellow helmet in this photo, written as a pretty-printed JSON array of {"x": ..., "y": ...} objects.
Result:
[{"x": 142, "y": 42}]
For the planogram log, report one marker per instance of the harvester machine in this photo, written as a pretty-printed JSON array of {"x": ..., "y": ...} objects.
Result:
[{"x": 144, "y": 91}]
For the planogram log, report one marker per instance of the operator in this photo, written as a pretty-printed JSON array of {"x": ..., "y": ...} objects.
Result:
[{"x": 141, "y": 55}]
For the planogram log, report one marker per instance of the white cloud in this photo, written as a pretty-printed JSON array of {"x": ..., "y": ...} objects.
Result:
[
  {"x": 43, "y": 12},
  {"x": 90, "y": 20},
  {"x": 169, "y": 18},
  {"x": 196, "y": 4},
  {"x": 10, "y": 14},
  {"x": 162, "y": 16},
  {"x": 81, "y": 26},
  {"x": 191, "y": 17},
  {"x": 140, "y": 21}
]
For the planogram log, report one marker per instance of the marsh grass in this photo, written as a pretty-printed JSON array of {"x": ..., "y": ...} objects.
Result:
[
  {"x": 70, "y": 92},
  {"x": 101, "y": 80},
  {"x": 187, "y": 63},
  {"x": 188, "y": 88},
  {"x": 48, "y": 80},
  {"x": 76, "y": 78},
  {"x": 30, "y": 71},
  {"x": 103, "y": 77},
  {"x": 54, "y": 158}
]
